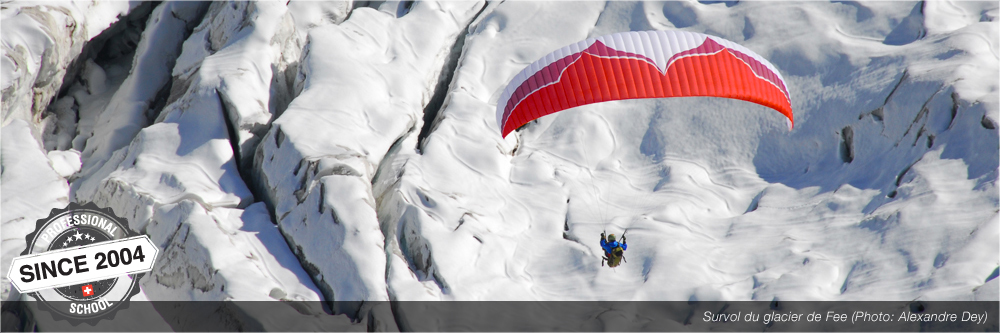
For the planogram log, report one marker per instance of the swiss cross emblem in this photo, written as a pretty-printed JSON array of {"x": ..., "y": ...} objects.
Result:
[{"x": 88, "y": 290}]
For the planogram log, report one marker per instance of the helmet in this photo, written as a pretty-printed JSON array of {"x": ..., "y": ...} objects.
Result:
[{"x": 611, "y": 238}]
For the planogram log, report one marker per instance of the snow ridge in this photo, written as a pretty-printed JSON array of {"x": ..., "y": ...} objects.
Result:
[{"x": 346, "y": 153}]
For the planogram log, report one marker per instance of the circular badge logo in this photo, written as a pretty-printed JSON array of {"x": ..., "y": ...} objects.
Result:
[{"x": 83, "y": 263}]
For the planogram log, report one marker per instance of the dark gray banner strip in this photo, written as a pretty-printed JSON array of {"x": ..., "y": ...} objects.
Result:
[{"x": 972, "y": 316}]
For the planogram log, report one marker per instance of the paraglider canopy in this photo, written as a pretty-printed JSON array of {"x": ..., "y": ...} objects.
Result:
[{"x": 640, "y": 64}]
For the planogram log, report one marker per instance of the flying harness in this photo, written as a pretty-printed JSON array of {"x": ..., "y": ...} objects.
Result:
[{"x": 614, "y": 251}]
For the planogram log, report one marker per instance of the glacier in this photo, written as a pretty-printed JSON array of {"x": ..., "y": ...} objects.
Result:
[{"x": 346, "y": 153}]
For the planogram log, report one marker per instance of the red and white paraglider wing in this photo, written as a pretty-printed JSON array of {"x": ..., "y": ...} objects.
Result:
[{"x": 644, "y": 64}]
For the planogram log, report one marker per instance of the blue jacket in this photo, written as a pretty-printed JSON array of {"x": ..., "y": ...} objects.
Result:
[{"x": 610, "y": 246}]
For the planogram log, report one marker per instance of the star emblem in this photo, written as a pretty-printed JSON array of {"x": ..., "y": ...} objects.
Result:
[{"x": 78, "y": 235}]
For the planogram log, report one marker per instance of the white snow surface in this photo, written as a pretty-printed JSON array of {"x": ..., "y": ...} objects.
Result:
[
  {"x": 349, "y": 152},
  {"x": 40, "y": 39},
  {"x": 720, "y": 202},
  {"x": 320, "y": 184},
  {"x": 25, "y": 198},
  {"x": 700, "y": 182},
  {"x": 125, "y": 113}
]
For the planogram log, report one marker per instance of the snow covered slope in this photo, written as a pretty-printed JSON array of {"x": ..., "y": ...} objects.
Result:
[
  {"x": 25, "y": 199},
  {"x": 41, "y": 42},
  {"x": 318, "y": 161},
  {"x": 343, "y": 151},
  {"x": 884, "y": 190}
]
